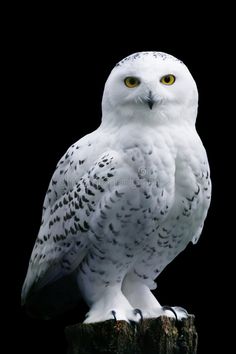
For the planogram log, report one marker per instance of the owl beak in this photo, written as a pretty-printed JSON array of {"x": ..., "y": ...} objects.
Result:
[{"x": 150, "y": 100}]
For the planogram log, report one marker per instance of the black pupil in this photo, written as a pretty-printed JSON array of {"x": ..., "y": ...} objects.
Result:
[
  {"x": 132, "y": 81},
  {"x": 167, "y": 79}
]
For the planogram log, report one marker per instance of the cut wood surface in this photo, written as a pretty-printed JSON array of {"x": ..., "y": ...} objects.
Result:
[{"x": 160, "y": 335}]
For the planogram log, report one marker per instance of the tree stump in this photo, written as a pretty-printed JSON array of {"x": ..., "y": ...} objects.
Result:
[{"x": 160, "y": 335}]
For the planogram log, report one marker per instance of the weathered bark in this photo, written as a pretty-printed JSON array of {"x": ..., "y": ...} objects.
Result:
[{"x": 161, "y": 335}]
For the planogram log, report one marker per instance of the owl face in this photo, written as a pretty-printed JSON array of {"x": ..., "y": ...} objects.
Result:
[{"x": 151, "y": 84}]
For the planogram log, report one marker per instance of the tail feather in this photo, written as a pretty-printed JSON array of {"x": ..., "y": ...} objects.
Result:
[{"x": 52, "y": 299}]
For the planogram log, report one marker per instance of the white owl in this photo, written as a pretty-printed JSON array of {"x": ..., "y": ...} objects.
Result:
[{"x": 126, "y": 199}]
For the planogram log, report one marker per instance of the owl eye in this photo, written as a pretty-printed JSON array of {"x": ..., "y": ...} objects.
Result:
[
  {"x": 168, "y": 79},
  {"x": 131, "y": 81}
]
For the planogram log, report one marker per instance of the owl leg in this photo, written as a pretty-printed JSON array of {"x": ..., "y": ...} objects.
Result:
[
  {"x": 111, "y": 304},
  {"x": 100, "y": 287},
  {"x": 140, "y": 296}
]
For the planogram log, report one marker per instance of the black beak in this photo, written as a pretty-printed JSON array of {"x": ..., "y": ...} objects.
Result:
[{"x": 150, "y": 100}]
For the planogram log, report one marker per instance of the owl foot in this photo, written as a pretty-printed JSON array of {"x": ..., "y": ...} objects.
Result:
[
  {"x": 175, "y": 312},
  {"x": 112, "y": 305},
  {"x": 117, "y": 315},
  {"x": 169, "y": 308},
  {"x": 136, "y": 312}
]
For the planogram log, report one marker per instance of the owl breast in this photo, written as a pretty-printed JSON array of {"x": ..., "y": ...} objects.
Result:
[{"x": 168, "y": 195}]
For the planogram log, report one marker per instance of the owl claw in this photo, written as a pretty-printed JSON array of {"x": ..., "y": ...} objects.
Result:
[
  {"x": 169, "y": 308},
  {"x": 138, "y": 311},
  {"x": 114, "y": 315}
]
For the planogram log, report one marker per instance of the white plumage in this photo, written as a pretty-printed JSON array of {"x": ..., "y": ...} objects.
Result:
[{"x": 126, "y": 199}]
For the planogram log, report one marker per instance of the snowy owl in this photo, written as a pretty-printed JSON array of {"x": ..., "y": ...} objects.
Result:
[{"x": 125, "y": 200}]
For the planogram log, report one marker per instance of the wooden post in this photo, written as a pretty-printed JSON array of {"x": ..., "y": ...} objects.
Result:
[{"x": 160, "y": 335}]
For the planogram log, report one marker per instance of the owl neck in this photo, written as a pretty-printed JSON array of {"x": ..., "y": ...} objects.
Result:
[{"x": 159, "y": 116}]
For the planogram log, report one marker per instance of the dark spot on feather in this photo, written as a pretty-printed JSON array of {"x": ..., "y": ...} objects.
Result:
[
  {"x": 90, "y": 207},
  {"x": 129, "y": 255},
  {"x": 65, "y": 201},
  {"x": 86, "y": 225},
  {"x": 113, "y": 230},
  {"x": 85, "y": 199},
  {"x": 190, "y": 199},
  {"x": 89, "y": 192},
  {"x": 81, "y": 204},
  {"x": 72, "y": 230},
  {"x": 119, "y": 195},
  {"x": 76, "y": 205},
  {"x": 101, "y": 189},
  {"x": 81, "y": 228}
]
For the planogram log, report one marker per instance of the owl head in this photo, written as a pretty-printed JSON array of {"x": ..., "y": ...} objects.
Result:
[{"x": 154, "y": 87}]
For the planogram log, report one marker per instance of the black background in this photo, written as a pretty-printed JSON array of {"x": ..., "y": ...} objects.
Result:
[{"x": 58, "y": 67}]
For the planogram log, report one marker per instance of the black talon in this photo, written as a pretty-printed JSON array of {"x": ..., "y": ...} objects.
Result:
[
  {"x": 138, "y": 311},
  {"x": 114, "y": 315},
  {"x": 170, "y": 309}
]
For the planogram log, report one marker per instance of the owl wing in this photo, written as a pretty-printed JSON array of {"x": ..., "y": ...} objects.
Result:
[
  {"x": 56, "y": 232},
  {"x": 63, "y": 239},
  {"x": 204, "y": 192}
]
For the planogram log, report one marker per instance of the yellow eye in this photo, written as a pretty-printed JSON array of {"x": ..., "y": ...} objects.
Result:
[
  {"x": 131, "y": 81},
  {"x": 168, "y": 79}
]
